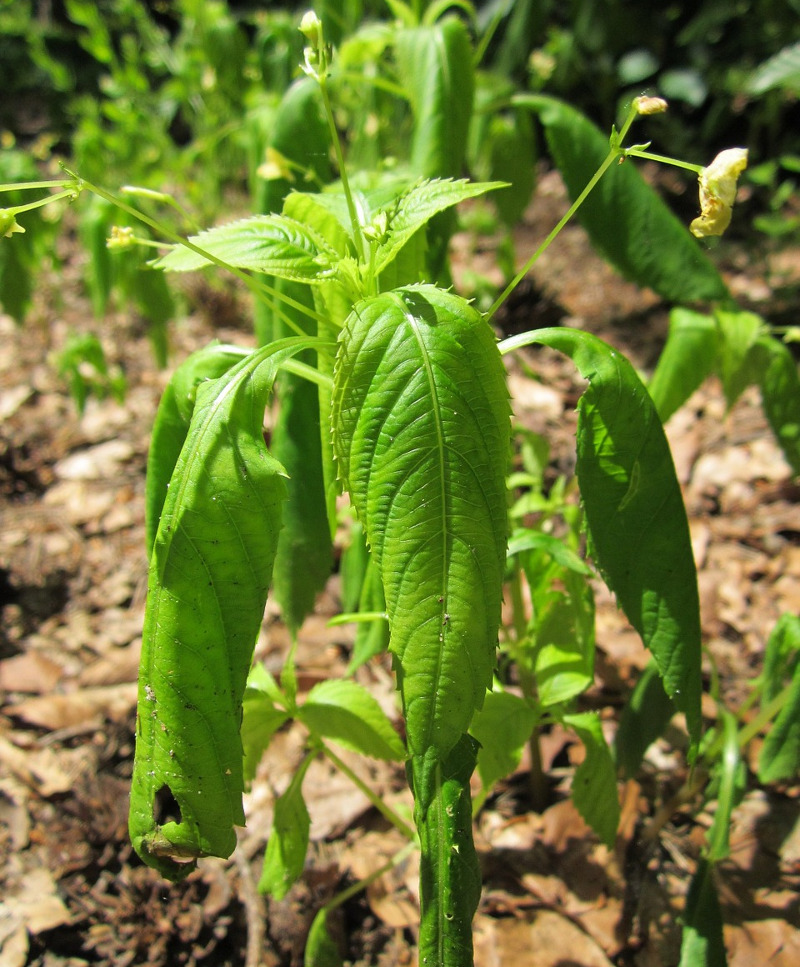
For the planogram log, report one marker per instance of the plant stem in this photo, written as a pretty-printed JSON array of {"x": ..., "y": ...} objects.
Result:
[
  {"x": 386, "y": 811},
  {"x": 661, "y": 158},
  {"x": 616, "y": 151}
]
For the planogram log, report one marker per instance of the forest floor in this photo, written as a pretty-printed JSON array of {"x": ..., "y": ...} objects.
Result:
[{"x": 72, "y": 590}]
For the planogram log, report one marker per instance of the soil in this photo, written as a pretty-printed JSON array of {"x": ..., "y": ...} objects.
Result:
[{"x": 72, "y": 589}]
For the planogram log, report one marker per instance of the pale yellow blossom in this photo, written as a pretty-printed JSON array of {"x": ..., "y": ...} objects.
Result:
[
  {"x": 275, "y": 166},
  {"x": 718, "y": 192},
  {"x": 650, "y": 105}
]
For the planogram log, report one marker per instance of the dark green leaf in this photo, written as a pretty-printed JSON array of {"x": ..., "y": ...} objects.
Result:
[
  {"x": 626, "y": 220},
  {"x": 703, "y": 944},
  {"x": 782, "y": 655},
  {"x": 635, "y": 512},
  {"x": 421, "y": 435},
  {"x": 738, "y": 364},
  {"x": 643, "y": 720},
  {"x": 209, "y": 573},
  {"x": 689, "y": 356}
]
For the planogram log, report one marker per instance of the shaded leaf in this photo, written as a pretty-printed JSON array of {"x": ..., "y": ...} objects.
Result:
[
  {"x": 688, "y": 358},
  {"x": 594, "y": 787},
  {"x": 643, "y": 720},
  {"x": 702, "y": 944},
  {"x": 780, "y": 393},
  {"x": 288, "y": 841},
  {"x": 502, "y": 727},
  {"x": 780, "y": 754}
]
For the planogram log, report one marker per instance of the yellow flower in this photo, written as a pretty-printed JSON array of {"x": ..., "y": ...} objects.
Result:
[
  {"x": 718, "y": 192},
  {"x": 275, "y": 166},
  {"x": 650, "y": 105}
]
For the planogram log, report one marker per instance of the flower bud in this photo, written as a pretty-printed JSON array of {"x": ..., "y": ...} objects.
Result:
[
  {"x": 9, "y": 223},
  {"x": 650, "y": 105},
  {"x": 718, "y": 192}
]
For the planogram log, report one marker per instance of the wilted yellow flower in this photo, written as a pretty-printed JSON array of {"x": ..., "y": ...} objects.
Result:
[
  {"x": 8, "y": 222},
  {"x": 718, "y": 192}
]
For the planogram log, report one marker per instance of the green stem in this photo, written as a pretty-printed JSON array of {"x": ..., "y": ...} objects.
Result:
[
  {"x": 766, "y": 715},
  {"x": 661, "y": 158},
  {"x": 256, "y": 286},
  {"x": 355, "y": 888},
  {"x": 616, "y": 151},
  {"x": 386, "y": 811},
  {"x": 23, "y": 185},
  {"x": 71, "y": 193},
  {"x": 358, "y": 239}
]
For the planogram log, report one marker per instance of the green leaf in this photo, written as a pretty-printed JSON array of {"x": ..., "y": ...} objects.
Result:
[
  {"x": 702, "y": 944},
  {"x": 730, "y": 781},
  {"x": 288, "y": 841},
  {"x": 780, "y": 393},
  {"x": 625, "y": 218},
  {"x": 643, "y": 720},
  {"x": 209, "y": 573},
  {"x": 782, "y": 70},
  {"x": 738, "y": 364},
  {"x": 594, "y": 787},
  {"x": 450, "y": 877},
  {"x": 502, "y": 727},
  {"x": 273, "y": 244},
  {"x": 421, "y": 436},
  {"x": 635, "y": 512},
  {"x": 688, "y": 358},
  {"x": 172, "y": 424},
  {"x": 372, "y": 638},
  {"x": 780, "y": 755},
  {"x": 416, "y": 208},
  {"x": 321, "y": 951},
  {"x": 345, "y": 712},
  {"x": 530, "y": 540},
  {"x": 434, "y": 64},
  {"x": 261, "y": 718},
  {"x": 782, "y": 655}
]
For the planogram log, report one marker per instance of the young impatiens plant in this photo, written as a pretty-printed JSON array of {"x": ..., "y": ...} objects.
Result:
[{"x": 409, "y": 415}]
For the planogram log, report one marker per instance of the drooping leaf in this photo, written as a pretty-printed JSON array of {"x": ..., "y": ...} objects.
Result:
[
  {"x": 209, "y": 572},
  {"x": 421, "y": 436},
  {"x": 688, "y": 358},
  {"x": 345, "y": 712},
  {"x": 288, "y": 840},
  {"x": 273, "y": 244},
  {"x": 643, "y": 720},
  {"x": 625, "y": 218},
  {"x": 702, "y": 944},
  {"x": 594, "y": 787},
  {"x": 635, "y": 512},
  {"x": 172, "y": 424}
]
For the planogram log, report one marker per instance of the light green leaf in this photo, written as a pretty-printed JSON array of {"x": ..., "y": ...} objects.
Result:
[
  {"x": 321, "y": 951},
  {"x": 635, "y": 512},
  {"x": 780, "y": 394},
  {"x": 738, "y": 364},
  {"x": 172, "y": 423},
  {"x": 421, "y": 436},
  {"x": 688, "y": 358},
  {"x": 780, "y": 754},
  {"x": 418, "y": 205},
  {"x": 209, "y": 573},
  {"x": 345, "y": 712},
  {"x": 530, "y": 540},
  {"x": 782, "y": 655},
  {"x": 625, "y": 218},
  {"x": 261, "y": 718},
  {"x": 273, "y": 244},
  {"x": 503, "y": 727},
  {"x": 594, "y": 787},
  {"x": 702, "y": 944},
  {"x": 782, "y": 70},
  {"x": 288, "y": 841}
]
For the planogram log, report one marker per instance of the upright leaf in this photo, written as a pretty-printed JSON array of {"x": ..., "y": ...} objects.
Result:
[
  {"x": 625, "y": 218},
  {"x": 288, "y": 840},
  {"x": 635, "y": 511},
  {"x": 738, "y": 363},
  {"x": 780, "y": 754},
  {"x": 702, "y": 944},
  {"x": 780, "y": 393},
  {"x": 209, "y": 573},
  {"x": 421, "y": 436},
  {"x": 594, "y": 787},
  {"x": 643, "y": 720}
]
